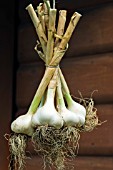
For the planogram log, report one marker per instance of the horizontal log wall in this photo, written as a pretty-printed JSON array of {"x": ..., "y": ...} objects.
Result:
[
  {"x": 87, "y": 66},
  {"x": 84, "y": 74},
  {"x": 63, "y": 4},
  {"x": 80, "y": 163}
]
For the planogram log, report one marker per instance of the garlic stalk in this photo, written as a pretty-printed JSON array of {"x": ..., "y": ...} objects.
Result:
[
  {"x": 47, "y": 114},
  {"x": 70, "y": 118},
  {"x": 23, "y": 124},
  {"x": 72, "y": 105}
]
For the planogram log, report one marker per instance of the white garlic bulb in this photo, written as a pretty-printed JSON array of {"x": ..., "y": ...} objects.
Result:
[
  {"x": 47, "y": 114},
  {"x": 76, "y": 108},
  {"x": 23, "y": 125},
  {"x": 70, "y": 118}
]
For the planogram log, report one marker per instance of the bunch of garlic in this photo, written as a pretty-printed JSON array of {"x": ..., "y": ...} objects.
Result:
[
  {"x": 54, "y": 43},
  {"x": 59, "y": 115},
  {"x": 50, "y": 114}
]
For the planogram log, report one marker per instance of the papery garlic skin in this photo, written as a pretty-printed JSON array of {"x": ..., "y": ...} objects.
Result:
[
  {"x": 79, "y": 110},
  {"x": 72, "y": 105},
  {"x": 47, "y": 114},
  {"x": 23, "y": 125},
  {"x": 76, "y": 108},
  {"x": 70, "y": 118}
]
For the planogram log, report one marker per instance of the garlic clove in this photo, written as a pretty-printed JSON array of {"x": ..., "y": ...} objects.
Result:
[{"x": 23, "y": 125}]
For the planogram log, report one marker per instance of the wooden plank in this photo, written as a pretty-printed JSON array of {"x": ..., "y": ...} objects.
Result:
[
  {"x": 6, "y": 63},
  {"x": 26, "y": 42},
  {"x": 93, "y": 35},
  {"x": 28, "y": 78},
  {"x": 97, "y": 142},
  {"x": 80, "y": 4},
  {"x": 5, "y": 103},
  {"x": 94, "y": 32},
  {"x": 84, "y": 74},
  {"x": 80, "y": 163}
]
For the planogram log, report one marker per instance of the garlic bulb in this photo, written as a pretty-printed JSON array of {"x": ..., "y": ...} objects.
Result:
[
  {"x": 70, "y": 118},
  {"x": 23, "y": 125},
  {"x": 76, "y": 108},
  {"x": 72, "y": 105},
  {"x": 47, "y": 114}
]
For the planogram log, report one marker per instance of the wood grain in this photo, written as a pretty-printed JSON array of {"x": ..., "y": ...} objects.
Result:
[
  {"x": 97, "y": 142},
  {"x": 80, "y": 4},
  {"x": 94, "y": 32},
  {"x": 80, "y": 163},
  {"x": 93, "y": 35},
  {"x": 84, "y": 74},
  {"x": 27, "y": 38}
]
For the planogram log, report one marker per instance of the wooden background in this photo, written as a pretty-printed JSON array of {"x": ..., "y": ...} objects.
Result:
[
  {"x": 87, "y": 66},
  {"x": 6, "y": 75}
]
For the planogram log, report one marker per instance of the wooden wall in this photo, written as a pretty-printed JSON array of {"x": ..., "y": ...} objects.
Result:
[{"x": 87, "y": 66}]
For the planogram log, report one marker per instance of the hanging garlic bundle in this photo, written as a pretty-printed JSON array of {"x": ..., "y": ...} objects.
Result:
[{"x": 52, "y": 122}]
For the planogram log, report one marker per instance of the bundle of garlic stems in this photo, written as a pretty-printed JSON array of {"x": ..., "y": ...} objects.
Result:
[
  {"x": 52, "y": 106},
  {"x": 53, "y": 49}
]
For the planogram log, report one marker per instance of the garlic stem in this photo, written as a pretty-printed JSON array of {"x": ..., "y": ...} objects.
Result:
[
  {"x": 41, "y": 89},
  {"x": 40, "y": 11},
  {"x": 61, "y": 102},
  {"x": 38, "y": 27},
  {"x": 50, "y": 95},
  {"x": 51, "y": 30},
  {"x": 42, "y": 101},
  {"x": 68, "y": 98},
  {"x": 53, "y": 4},
  {"x": 64, "y": 84},
  {"x": 47, "y": 3},
  {"x": 61, "y": 26},
  {"x": 72, "y": 24},
  {"x": 46, "y": 12}
]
